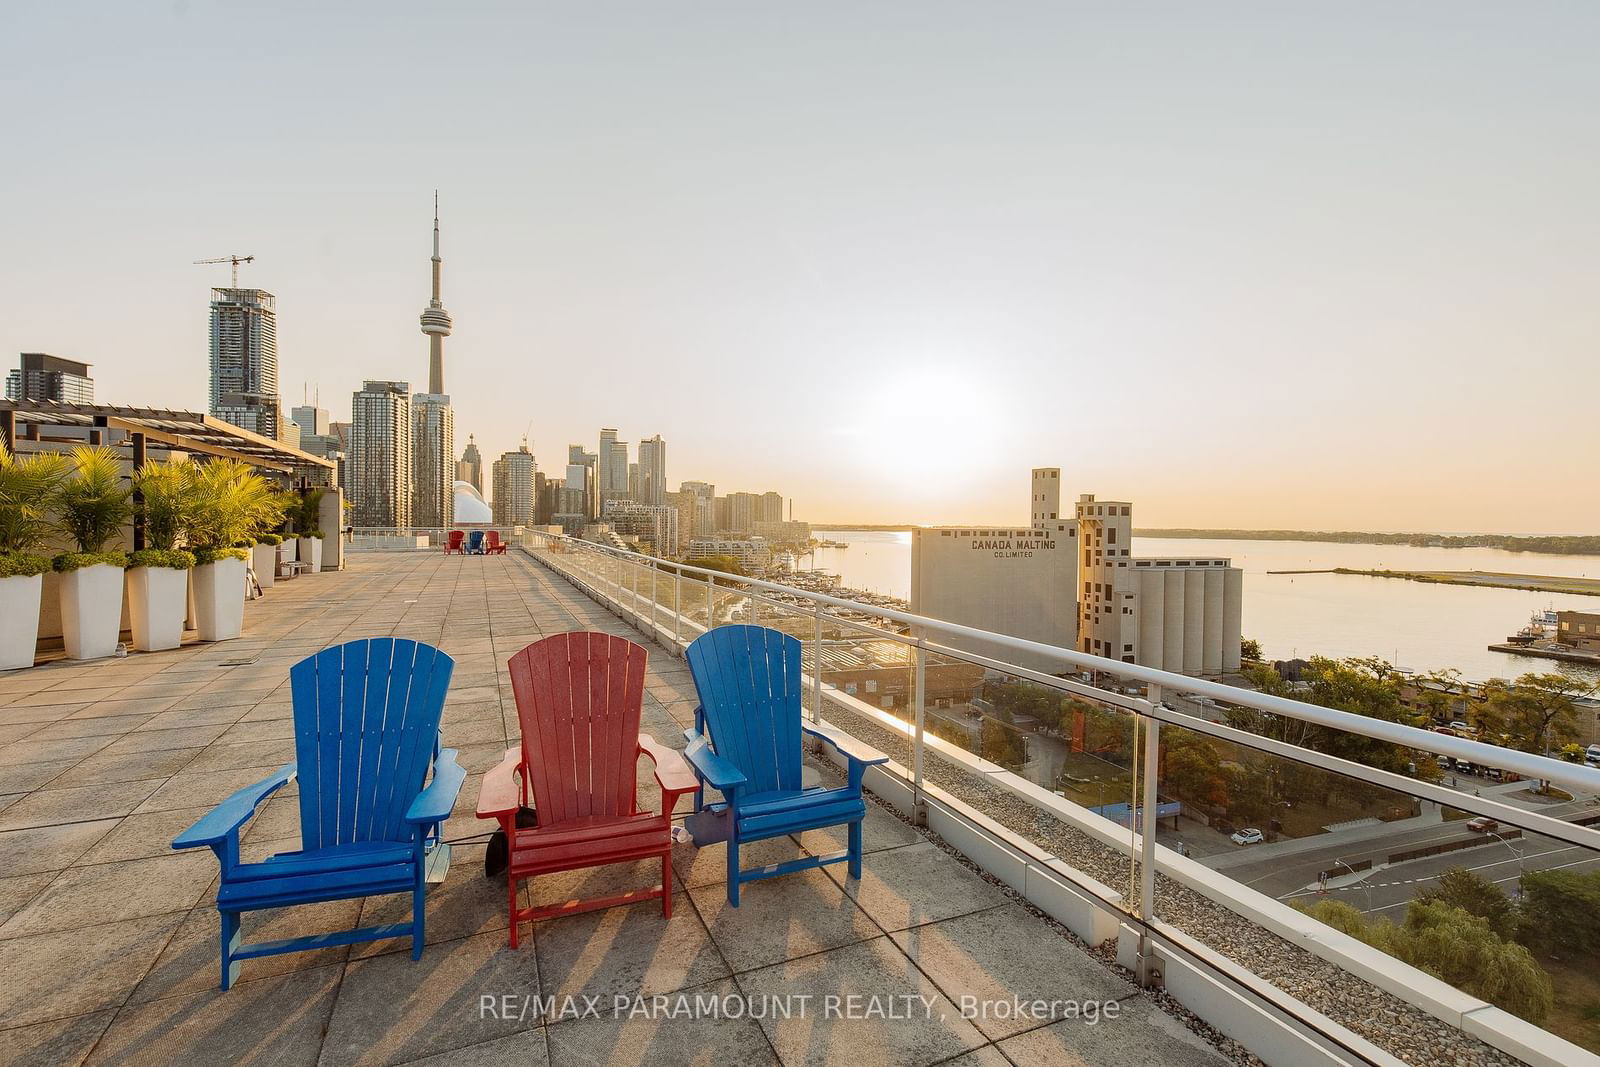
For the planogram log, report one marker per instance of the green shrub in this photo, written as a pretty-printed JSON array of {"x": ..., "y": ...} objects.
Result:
[
  {"x": 22, "y": 564},
  {"x": 171, "y": 559},
  {"x": 203, "y": 555},
  {"x": 72, "y": 561},
  {"x": 313, "y": 532},
  {"x": 94, "y": 501},
  {"x": 269, "y": 539}
]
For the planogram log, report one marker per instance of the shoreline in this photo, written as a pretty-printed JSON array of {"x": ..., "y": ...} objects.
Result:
[{"x": 1533, "y": 583}]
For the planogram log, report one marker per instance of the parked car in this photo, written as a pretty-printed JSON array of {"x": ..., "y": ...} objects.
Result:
[
  {"x": 1483, "y": 825},
  {"x": 1248, "y": 836},
  {"x": 1592, "y": 755},
  {"x": 1457, "y": 724}
]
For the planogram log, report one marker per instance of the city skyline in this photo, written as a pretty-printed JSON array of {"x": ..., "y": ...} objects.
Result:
[{"x": 1274, "y": 272}]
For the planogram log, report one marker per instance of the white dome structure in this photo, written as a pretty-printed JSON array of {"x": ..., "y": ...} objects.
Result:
[{"x": 470, "y": 506}]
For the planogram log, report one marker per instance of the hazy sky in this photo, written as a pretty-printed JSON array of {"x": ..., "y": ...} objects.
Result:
[{"x": 1256, "y": 264}]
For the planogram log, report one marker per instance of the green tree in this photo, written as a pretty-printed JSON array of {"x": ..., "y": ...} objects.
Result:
[
  {"x": 1534, "y": 713},
  {"x": 1561, "y": 911},
  {"x": 165, "y": 503},
  {"x": 1439, "y": 694},
  {"x": 1003, "y": 743},
  {"x": 1475, "y": 895},
  {"x": 1455, "y": 946},
  {"x": 1193, "y": 771},
  {"x": 1249, "y": 650},
  {"x": 725, "y": 564}
]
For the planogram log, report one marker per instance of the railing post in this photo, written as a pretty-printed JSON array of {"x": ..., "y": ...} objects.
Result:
[
  {"x": 816, "y": 663},
  {"x": 655, "y": 589},
  {"x": 677, "y": 606},
  {"x": 919, "y": 803},
  {"x": 711, "y": 600},
  {"x": 1149, "y": 972}
]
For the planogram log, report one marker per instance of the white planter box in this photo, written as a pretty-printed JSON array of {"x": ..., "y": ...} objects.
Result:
[
  {"x": 158, "y": 600},
  {"x": 311, "y": 552},
  {"x": 219, "y": 600},
  {"x": 19, "y": 620},
  {"x": 91, "y": 611},
  {"x": 286, "y": 551},
  {"x": 264, "y": 561}
]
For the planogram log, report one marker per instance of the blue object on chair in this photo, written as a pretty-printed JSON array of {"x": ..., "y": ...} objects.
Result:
[
  {"x": 746, "y": 745},
  {"x": 475, "y": 543},
  {"x": 366, "y": 733}
]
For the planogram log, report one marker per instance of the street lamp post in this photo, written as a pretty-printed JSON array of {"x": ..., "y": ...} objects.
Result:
[
  {"x": 1515, "y": 852},
  {"x": 1352, "y": 870}
]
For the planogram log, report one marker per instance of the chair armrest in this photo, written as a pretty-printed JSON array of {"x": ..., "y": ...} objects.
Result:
[
  {"x": 225, "y": 819},
  {"x": 853, "y": 750},
  {"x": 498, "y": 793},
  {"x": 717, "y": 771},
  {"x": 434, "y": 803},
  {"x": 673, "y": 772}
]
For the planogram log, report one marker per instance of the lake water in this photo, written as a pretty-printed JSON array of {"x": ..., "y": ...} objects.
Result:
[{"x": 1416, "y": 626}]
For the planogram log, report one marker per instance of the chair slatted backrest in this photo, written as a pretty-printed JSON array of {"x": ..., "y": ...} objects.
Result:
[
  {"x": 366, "y": 725},
  {"x": 455, "y": 539},
  {"x": 579, "y": 697},
  {"x": 748, "y": 678},
  {"x": 494, "y": 538},
  {"x": 475, "y": 541}
]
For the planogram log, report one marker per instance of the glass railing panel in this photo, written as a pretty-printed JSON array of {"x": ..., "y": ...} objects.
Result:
[
  {"x": 1075, "y": 751},
  {"x": 1479, "y": 902}
]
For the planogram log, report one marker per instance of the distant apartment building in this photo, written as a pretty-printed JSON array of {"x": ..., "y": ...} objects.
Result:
[
  {"x": 514, "y": 487},
  {"x": 612, "y": 459},
  {"x": 1179, "y": 614},
  {"x": 771, "y": 508},
  {"x": 576, "y": 502},
  {"x": 380, "y": 461},
  {"x": 469, "y": 468},
  {"x": 244, "y": 359},
  {"x": 1580, "y": 629},
  {"x": 288, "y": 431},
  {"x": 433, "y": 453},
  {"x": 655, "y": 525},
  {"x": 751, "y": 553},
  {"x": 686, "y": 505},
  {"x": 40, "y": 376},
  {"x": 743, "y": 511},
  {"x": 652, "y": 471},
  {"x": 312, "y": 420},
  {"x": 634, "y": 491},
  {"x": 704, "y": 522}
]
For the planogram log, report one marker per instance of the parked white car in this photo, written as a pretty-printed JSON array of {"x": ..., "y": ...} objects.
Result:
[{"x": 1248, "y": 836}]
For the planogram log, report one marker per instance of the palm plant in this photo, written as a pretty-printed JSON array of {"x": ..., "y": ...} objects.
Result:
[
  {"x": 307, "y": 514},
  {"x": 95, "y": 502},
  {"x": 167, "y": 503},
  {"x": 230, "y": 501},
  {"x": 29, "y": 489}
]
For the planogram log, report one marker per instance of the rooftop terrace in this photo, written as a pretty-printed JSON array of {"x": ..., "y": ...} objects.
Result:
[{"x": 108, "y": 938}]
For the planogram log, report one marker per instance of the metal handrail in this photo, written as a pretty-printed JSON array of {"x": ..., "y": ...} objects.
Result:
[{"x": 1526, "y": 764}]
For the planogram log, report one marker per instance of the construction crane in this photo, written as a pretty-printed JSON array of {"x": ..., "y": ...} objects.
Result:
[{"x": 235, "y": 260}]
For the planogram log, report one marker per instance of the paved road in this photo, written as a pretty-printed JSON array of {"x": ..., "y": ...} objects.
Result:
[{"x": 1387, "y": 892}]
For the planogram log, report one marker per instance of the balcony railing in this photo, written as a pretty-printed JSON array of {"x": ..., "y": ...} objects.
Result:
[{"x": 1043, "y": 765}]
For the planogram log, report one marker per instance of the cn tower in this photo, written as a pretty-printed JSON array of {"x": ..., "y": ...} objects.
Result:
[{"x": 435, "y": 319}]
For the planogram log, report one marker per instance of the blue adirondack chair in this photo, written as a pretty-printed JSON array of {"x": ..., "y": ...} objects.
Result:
[
  {"x": 366, "y": 733},
  {"x": 746, "y": 744},
  {"x": 475, "y": 543}
]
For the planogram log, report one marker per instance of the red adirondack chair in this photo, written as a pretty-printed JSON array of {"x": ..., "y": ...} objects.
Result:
[
  {"x": 578, "y": 699},
  {"x": 493, "y": 545},
  {"x": 453, "y": 542}
]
